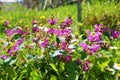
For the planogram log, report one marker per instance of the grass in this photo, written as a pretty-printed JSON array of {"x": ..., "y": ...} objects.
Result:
[{"x": 96, "y": 9}]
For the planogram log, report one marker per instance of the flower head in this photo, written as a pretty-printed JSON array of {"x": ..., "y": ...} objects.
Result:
[
  {"x": 115, "y": 34},
  {"x": 79, "y": 62},
  {"x": 6, "y": 23},
  {"x": 86, "y": 65},
  {"x": 45, "y": 43},
  {"x": 68, "y": 59},
  {"x": 20, "y": 32},
  {"x": 116, "y": 66},
  {"x": 98, "y": 27},
  {"x": 94, "y": 37},
  {"x": 52, "y": 21},
  {"x": 10, "y": 32},
  {"x": 35, "y": 29},
  {"x": 4, "y": 57},
  {"x": 84, "y": 46},
  {"x": 64, "y": 46}
]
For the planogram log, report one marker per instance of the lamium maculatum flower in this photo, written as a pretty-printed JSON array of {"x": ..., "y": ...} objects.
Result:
[
  {"x": 6, "y": 23},
  {"x": 52, "y": 21},
  {"x": 115, "y": 34},
  {"x": 68, "y": 58}
]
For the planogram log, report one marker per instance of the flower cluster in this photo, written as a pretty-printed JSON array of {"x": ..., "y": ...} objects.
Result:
[
  {"x": 90, "y": 49},
  {"x": 15, "y": 48}
]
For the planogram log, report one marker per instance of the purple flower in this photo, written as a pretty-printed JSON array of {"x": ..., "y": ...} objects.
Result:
[
  {"x": 64, "y": 46},
  {"x": 84, "y": 46},
  {"x": 52, "y": 21},
  {"x": 88, "y": 32},
  {"x": 35, "y": 39},
  {"x": 94, "y": 49},
  {"x": 98, "y": 27},
  {"x": 68, "y": 59},
  {"x": 86, "y": 65},
  {"x": 34, "y": 22},
  {"x": 86, "y": 69},
  {"x": 10, "y": 32},
  {"x": 27, "y": 31},
  {"x": 66, "y": 23},
  {"x": 4, "y": 57},
  {"x": 15, "y": 47},
  {"x": 60, "y": 56},
  {"x": 79, "y": 62},
  {"x": 52, "y": 31},
  {"x": 45, "y": 43},
  {"x": 61, "y": 32},
  {"x": 35, "y": 29},
  {"x": 94, "y": 37},
  {"x": 19, "y": 41},
  {"x": 10, "y": 52},
  {"x": 6, "y": 23},
  {"x": 115, "y": 34},
  {"x": 20, "y": 32},
  {"x": 105, "y": 29}
]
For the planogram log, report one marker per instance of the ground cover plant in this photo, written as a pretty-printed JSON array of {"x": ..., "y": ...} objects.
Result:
[{"x": 44, "y": 46}]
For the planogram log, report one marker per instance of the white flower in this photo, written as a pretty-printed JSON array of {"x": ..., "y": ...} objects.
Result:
[
  {"x": 116, "y": 66},
  {"x": 112, "y": 47},
  {"x": 62, "y": 38},
  {"x": 71, "y": 46},
  {"x": 57, "y": 52},
  {"x": 73, "y": 41}
]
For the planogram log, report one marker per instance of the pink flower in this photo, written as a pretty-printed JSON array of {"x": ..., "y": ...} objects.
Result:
[
  {"x": 98, "y": 27},
  {"x": 34, "y": 22},
  {"x": 115, "y": 34},
  {"x": 84, "y": 46},
  {"x": 35, "y": 29},
  {"x": 86, "y": 65},
  {"x": 6, "y": 23},
  {"x": 10, "y": 52},
  {"x": 66, "y": 23},
  {"x": 68, "y": 59},
  {"x": 94, "y": 37},
  {"x": 15, "y": 47},
  {"x": 60, "y": 56},
  {"x": 20, "y": 32},
  {"x": 4, "y": 57},
  {"x": 94, "y": 49},
  {"x": 10, "y": 32},
  {"x": 52, "y": 21},
  {"x": 45, "y": 43},
  {"x": 79, "y": 62},
  {"x": 64, "y": 46}
]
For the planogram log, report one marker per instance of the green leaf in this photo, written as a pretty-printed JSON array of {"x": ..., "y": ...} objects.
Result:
[
  {"x": 34, "y": 73},
  {"x": 1, "y": 61},
  {"x": 54, "y": 68},
  {"x": 11, "y": 72},
  {"x": 53, "y": 77},
  {"x": 58, "y": 40},
  {"x": 21, "y": 74},
  {"x": 72, "y": 76},
  {"x": 102, "y": 63}
]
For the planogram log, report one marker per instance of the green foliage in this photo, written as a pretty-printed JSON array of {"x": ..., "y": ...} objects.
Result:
[{"x": 50, "y": 58}]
